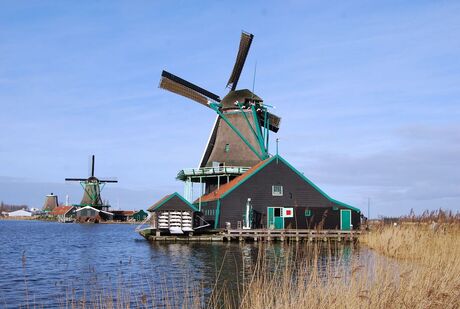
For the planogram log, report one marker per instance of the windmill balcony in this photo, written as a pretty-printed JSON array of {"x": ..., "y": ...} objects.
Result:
[{"x": 195, "y": 174}]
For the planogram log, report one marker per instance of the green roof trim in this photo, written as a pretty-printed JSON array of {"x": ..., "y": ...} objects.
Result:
[
  {"x": 179, "y": 196},
  {"x": 248, "y": 176},
  {"x": 298, "y": 173},
  {"x": 317, "y": 188}
]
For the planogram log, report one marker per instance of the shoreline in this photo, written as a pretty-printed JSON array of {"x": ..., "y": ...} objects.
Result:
[{"x": 46, "y": 220}]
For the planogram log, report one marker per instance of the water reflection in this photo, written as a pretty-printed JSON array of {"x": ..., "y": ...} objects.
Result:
[{"x": 68, "y": 261}]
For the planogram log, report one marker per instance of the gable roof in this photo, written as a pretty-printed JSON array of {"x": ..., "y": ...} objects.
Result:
[
  {"x": 97, "y": 210},
  {"x": 20, "y": 212},
  {"x": 225, "y": 189},
  {"x": 165, "y": 199},
  {"x": 229, "y": 186},
  {"x": 61, "y": 210}
]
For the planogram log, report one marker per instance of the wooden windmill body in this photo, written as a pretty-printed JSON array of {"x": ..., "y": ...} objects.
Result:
[{"x": 239, "y": 138}]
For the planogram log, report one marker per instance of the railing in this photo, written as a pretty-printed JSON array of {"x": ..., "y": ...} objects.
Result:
[
  {"x": 210, "y": 171},
  {"x": 290, "y": 233}
]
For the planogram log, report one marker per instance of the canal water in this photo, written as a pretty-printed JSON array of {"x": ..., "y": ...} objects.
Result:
[{"x": 51, "y": 265}]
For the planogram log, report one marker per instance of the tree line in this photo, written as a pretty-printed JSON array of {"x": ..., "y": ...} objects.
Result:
[{"x": 11, "y": 207}]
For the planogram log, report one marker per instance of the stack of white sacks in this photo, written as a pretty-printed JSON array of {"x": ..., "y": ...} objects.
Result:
[{"x": 176, "y": 221}]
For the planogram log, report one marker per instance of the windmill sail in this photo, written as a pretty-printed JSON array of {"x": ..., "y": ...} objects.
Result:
[
  {"x": 238, "y": 137},
  {"x": 245, "y": 44},
  {"x": 92, "y": 188},
  {"x": 273, "y": 121},
  {"x": 184, "y": 88}
]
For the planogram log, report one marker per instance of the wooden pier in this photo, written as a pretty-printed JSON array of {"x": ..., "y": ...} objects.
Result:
[{"x": 263, "y": 235}]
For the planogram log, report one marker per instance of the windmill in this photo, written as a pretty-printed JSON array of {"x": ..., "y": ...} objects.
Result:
[
  {"x": 92, "y": 187},
  {"x": 51, "y": 202},
  {"x": 240, "y": 136}
]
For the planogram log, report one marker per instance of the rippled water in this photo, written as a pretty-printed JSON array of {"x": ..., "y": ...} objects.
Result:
[{"x": 47, "y": 263}]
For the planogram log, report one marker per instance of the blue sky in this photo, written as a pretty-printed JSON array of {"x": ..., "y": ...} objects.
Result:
[{"x": 368, "y": 92}]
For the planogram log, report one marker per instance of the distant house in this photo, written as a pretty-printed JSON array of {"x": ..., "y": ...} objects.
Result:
[
  {"x": 122, "y": 215},
  {"x": 20, "y": 213},
  {"x": 64, "y": 213},
  {"x": 91, "y": 214},
  {"x": 140, "y": 215}
]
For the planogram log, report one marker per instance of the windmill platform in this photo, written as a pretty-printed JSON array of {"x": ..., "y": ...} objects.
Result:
[{"x": 259, "y": 235}]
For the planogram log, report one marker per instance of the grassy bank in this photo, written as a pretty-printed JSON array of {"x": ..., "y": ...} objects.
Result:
[
  {"x": 414, "y": 264},
  {"x": 419, "y": 268}
]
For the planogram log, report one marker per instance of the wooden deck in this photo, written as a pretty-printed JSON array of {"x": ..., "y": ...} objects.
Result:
[{"x": 264, "y": 235}]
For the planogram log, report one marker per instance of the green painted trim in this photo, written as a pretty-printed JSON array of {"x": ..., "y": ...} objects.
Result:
[
  {"x": 93, "y": 197},
  {"x": 249, "y": 125},
  {"x": 259, "y": 132},
  {"x": 249, "y": 176},
  {"x": 316, "y": 187},
  {"x": 179, "y": 196},
  {"x": 266, "y": 129},
  {"x": 278, "y": 157},
  {"x": 341, "y": 219},
  {"x": 214, "y": 107},
  {"x": 203, "y": 204},
  {"x": 216, "y": 218}
]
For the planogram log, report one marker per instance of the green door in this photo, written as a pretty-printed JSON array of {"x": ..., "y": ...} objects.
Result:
[
  {"x": 275, "y": 218},
  {"x": 345, "y": 219}
]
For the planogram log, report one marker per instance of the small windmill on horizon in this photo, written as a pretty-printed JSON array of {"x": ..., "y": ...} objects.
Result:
[{"x": 92, "y": 187}]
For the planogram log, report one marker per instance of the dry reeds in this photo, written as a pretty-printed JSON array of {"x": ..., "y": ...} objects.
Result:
[
  {"x": 404, "y": 266},
  {"x": 425, "y": 273}
]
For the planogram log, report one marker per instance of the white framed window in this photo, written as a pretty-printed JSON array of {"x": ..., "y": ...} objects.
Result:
[{"x": 277, "y": 190}]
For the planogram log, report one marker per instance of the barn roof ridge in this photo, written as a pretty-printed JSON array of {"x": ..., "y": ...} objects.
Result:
[
  {"x": 61, "y": 210},
  {"x": 227, "y": 188},
  {"x": 166, "y": 198}
]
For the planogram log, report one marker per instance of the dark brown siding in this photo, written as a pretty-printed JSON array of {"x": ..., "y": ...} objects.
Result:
[
  {"x": 175, "y": 203},
  {"x": 297, "y": 193},
  {"x": 208, "y": 209}
]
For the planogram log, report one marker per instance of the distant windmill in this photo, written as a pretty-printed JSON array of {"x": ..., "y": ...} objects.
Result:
[
  {"x": 92, "y": 187},
  {"x": 51, "y": 202},
  {"x": 240, "y": 136}
]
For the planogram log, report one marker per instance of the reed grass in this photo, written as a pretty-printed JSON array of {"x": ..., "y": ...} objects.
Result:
[
  {"x": 409, "y": 266},
  {"x": 419, "y": 267}
]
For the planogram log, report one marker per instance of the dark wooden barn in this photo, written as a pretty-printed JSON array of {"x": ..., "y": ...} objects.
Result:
[
  {"x": 273, "y": 194},
  {"x": 91, "y": 214},
  {"x": 174, "y": 214}
]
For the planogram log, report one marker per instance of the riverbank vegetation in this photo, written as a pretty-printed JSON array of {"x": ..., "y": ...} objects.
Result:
[
  {"x": 418, "y": 268},
  {"x": 413, "y": 264}
]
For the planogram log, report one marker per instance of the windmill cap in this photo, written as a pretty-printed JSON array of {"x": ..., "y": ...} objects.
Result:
[{"x": 241, "y": 96}]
